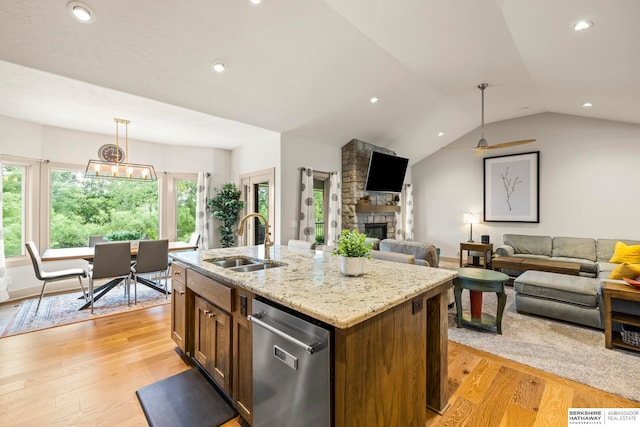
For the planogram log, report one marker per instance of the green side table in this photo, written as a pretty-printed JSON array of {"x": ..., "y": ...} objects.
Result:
[{"x": 478, "y": 280}]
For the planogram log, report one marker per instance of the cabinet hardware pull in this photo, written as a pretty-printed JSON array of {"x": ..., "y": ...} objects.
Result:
[
  {"x": 211, "y": 315},
  {"x": 181, "y": 292},
  {"x": 206, "y": 312}
]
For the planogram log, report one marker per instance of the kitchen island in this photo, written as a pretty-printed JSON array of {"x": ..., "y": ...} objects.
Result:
[{"x": 389, "y": 326}]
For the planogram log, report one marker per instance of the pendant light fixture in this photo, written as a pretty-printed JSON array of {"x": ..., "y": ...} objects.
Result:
[{"x": 112, "y": 164}]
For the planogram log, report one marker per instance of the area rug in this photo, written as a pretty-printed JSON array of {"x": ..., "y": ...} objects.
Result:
[
  {"x": 567, "y": 350},
  {"x": 185, "y": 399},
  {"x": 62, "y": 309}
]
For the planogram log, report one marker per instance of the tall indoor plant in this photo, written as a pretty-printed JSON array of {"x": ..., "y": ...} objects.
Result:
[
  {"x": 353, "y": 249},
  {"x": 226, "y": 206}
]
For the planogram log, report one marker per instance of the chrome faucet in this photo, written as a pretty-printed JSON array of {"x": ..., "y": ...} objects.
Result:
[{"x": 267, "y": 241}]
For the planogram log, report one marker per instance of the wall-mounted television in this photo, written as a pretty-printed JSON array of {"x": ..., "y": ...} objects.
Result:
[{"x": 386, "y": 173}]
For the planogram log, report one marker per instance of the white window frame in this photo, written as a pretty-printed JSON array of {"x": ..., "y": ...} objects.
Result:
[{"x": 30, "y": 204}]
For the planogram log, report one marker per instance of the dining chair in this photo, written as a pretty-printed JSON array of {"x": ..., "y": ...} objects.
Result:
[
  {"x": 194, "y": 239},
  {"x": 152, "y": 257},
  {"x": 110, "y": 261},
  {"x": 52, "y": 276},
  {"x": 96, "y": 239},
  {"x": 301, "y": 244}
]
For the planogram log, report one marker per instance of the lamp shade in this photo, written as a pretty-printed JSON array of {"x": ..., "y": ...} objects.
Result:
[{"x": 471, "y": 218}]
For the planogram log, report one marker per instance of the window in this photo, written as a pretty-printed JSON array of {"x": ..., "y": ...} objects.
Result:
[
  {"x": 13, "y": 196},
  {"x": 185, "y": 208},
  {"x": 82, "y": 208},
  {"x": 321, "y": 186}
]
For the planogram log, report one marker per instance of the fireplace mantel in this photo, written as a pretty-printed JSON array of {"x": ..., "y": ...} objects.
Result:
[{"x": 361, "y": 208}]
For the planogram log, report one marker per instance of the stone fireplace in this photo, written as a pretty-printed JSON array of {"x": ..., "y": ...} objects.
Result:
[
  {"x": 376, "y": 230},
  {"x": 381, "y": 208}
]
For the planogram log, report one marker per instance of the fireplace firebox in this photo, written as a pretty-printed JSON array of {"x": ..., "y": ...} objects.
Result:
[{"x": 376, "y": 230}]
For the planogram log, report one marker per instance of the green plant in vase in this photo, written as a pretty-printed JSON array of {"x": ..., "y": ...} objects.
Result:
[
  {"x": 226, "y": 206},
  {"x": 353, "y": 249}
]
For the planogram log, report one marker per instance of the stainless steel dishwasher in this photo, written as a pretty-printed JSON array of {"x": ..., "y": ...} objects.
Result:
[{"x": 291, "y": 370}]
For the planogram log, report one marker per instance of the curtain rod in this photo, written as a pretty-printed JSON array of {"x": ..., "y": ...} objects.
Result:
[
  {"x": 303, "y": 169},
  {"x": 24, "y": 158}
]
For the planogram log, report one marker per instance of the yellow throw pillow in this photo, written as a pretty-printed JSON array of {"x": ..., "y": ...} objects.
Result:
[
  {"x": 625, "y": 270},
  {"x": 624, "y": 253}
]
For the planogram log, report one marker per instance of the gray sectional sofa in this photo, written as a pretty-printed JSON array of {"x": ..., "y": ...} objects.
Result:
[{"x": 576, "y": 299}]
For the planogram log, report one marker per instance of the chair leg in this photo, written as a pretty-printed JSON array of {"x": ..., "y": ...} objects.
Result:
[
  {"x": 41, "y": 294},
  {"x": 84, "y": 294},
  {"x": 91, "y": 292},
  {"x": 135, "y": 289}
]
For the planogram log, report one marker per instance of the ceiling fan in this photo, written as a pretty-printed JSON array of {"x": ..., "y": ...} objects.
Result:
[{"x": 483, "y": 144}]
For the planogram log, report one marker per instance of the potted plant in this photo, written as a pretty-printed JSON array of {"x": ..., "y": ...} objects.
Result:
[
  {"x": 353, "y": 250},
  {"x": 226, "y": 206}
]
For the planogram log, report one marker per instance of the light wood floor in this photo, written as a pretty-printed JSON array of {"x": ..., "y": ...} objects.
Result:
[{"x": 87, "y": 374}]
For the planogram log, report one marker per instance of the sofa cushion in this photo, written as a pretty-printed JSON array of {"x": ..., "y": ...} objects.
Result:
[
  {"x": 523, "y": 244},
  {"x": 626, "y": 253},
  {"x": 558, "y": 287},
  {"x": 419, "y": 250},
  {"x": 606, "y": 247},
  {"x": 533, "y": 256},
  {"x": 393, "y": 256},
  {"x": 574, "y": 247},
  {"x": 625, "y": 269}
]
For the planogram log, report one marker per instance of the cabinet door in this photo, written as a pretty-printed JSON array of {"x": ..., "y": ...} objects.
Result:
[
  {"x": 212, "y": 343},
  {"x": 179, "y": 314},
  {"x": 243, "y": 356},
  {"x": 219, "y": 364},
  {"x": 202, "y": 332}
]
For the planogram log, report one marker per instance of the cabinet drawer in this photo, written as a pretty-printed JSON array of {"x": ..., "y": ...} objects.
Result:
[
  {"x": 178, "y": 273},
  {"x": 211, "y": 290}
]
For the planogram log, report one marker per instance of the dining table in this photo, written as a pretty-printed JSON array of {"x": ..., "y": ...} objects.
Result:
[{"x": 87, "y": 252}]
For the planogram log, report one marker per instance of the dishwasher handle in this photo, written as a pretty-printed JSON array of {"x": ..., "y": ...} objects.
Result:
[{"x": 310, "y": 348}]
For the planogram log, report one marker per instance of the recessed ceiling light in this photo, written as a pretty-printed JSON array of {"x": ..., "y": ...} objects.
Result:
[
  {"x": 374, "y": 99},
  {"x": 587, "y": 105},
  {"x": 441, "y": 133},
  {"x": 81, "y": 12},
  {"x": 255, "y": 2},
  {"x": 582, "y": 25},
  {"x": 218, "y": 66}
]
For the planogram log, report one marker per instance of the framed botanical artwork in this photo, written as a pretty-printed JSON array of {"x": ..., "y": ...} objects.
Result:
[{"x": 512, "y": 188}]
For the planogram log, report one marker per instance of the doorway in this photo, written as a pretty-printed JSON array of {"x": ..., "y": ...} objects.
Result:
[{"x": 258, "y": 192}]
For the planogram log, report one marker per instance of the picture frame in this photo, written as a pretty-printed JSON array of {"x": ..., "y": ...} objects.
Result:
[{"x": 512, "y": 188}]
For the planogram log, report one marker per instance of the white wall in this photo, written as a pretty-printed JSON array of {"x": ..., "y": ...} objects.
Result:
[
  {"x": 256, "y": 156},
  {"x": 588, "y": 181},
  {"x": 36, "y": 141},
  {"x": 297, "y": 153}
]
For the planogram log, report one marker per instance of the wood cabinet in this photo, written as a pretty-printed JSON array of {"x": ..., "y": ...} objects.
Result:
[
  {"x": 179, "y": 308},
  {"x": 212, "y": 342},
  {"x": 613, "y": 290},
  {"x": 243, "y": 355}
]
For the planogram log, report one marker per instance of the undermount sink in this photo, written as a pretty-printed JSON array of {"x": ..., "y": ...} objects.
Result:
[
  {"x": 244, "y": 264},
  {"x": 233, "y": 261}
]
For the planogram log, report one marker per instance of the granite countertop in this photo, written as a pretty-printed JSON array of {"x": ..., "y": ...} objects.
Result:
[{"x": 311, "y": 282}]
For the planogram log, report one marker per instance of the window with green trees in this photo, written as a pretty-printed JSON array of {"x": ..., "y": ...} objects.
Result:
[
  {"x": 81, "y": 208},
  {"x": 185, "y": 208},
  {"x": 13, "y": 208}
]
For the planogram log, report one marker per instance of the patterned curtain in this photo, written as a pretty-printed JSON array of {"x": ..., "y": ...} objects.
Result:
[
  {"x": 4, "y": 293},
  {"x": 202, "y": 214},
  {"x": 335, "y": 208},
  {"x": 307, "y": 226},
  {"x": 404, "y": 218}
]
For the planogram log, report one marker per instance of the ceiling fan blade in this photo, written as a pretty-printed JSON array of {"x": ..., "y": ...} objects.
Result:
[
  {"x": 511, "y": 144},
  {"x": 457, "y": 148}
]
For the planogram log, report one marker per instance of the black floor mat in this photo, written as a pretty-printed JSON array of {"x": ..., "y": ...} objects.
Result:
[{"x": 185, "y": 399}]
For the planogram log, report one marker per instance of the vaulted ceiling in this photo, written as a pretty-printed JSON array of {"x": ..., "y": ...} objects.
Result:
[{"x": 308, "y": 69}]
